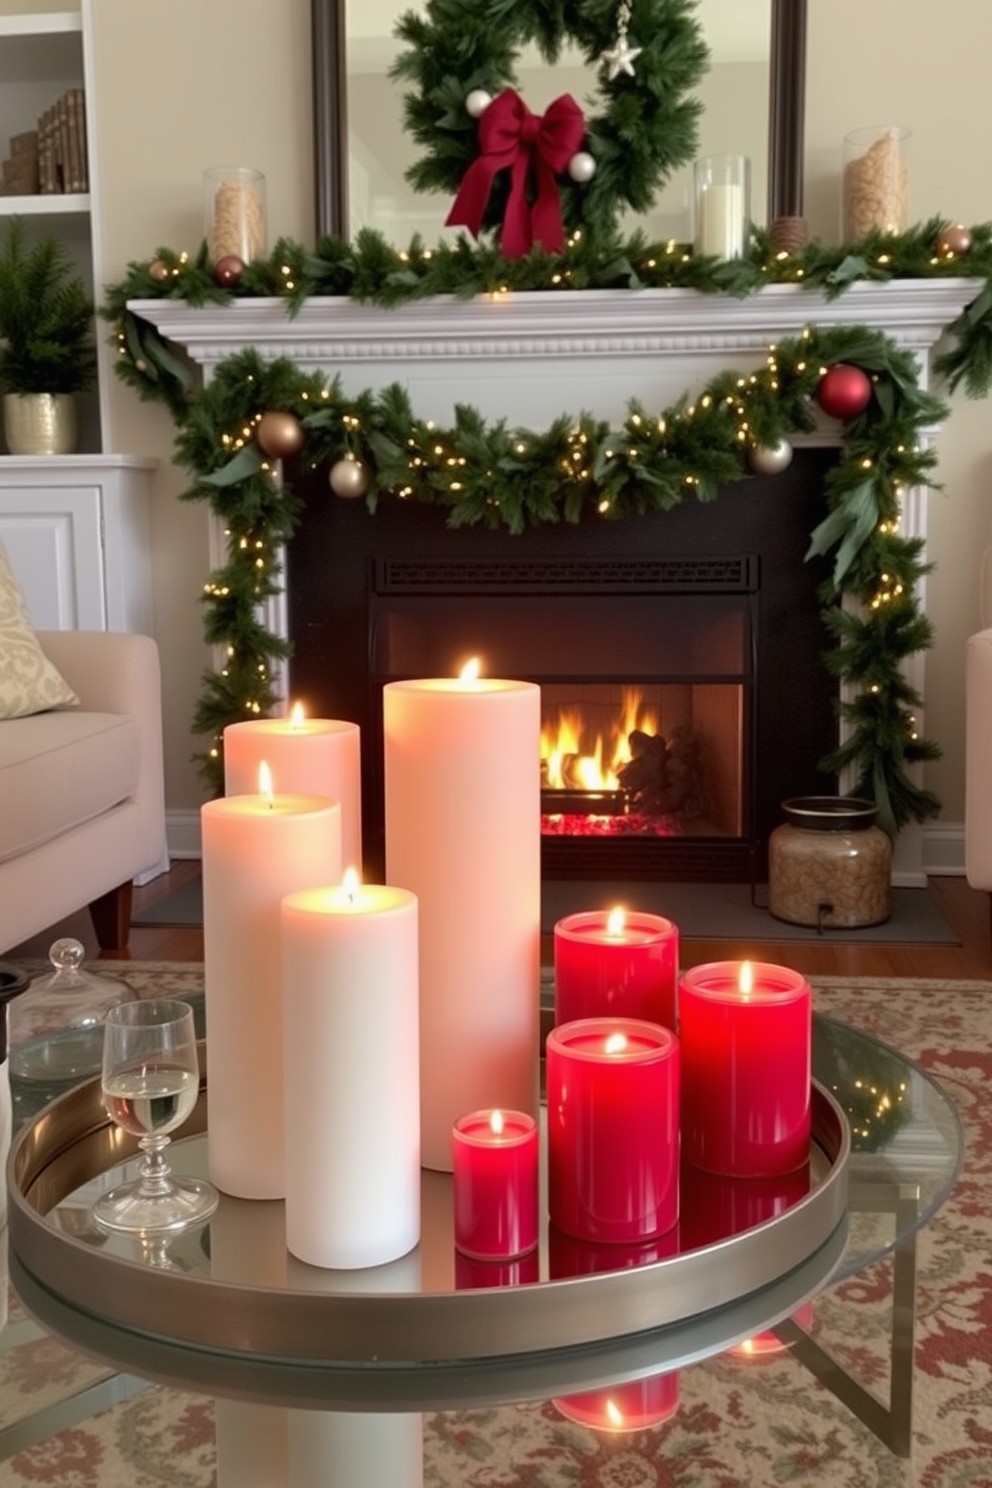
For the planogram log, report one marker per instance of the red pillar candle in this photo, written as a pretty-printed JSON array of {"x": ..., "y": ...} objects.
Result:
[
  {"x": 494, "y": 1160},
  {"x": 630, "y": 1407},
  {"x": 616, "y": 963},
  {"x": 613, "y": 1135},
  {"x": 746, "y": 1067}
]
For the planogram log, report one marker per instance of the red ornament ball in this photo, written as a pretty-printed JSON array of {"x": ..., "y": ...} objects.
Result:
[
  {"x": 280, "y": 434},
  {"x": 844, "y": 391},
  {"x": 228, "y": 271}
]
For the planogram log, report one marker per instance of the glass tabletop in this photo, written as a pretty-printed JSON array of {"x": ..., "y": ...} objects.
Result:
[{"x": 904, "y": 1155}]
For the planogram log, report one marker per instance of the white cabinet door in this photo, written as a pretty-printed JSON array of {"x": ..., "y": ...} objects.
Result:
[
  {"x": 53, "y": 539},
  {"x": 77, "y": 529}
]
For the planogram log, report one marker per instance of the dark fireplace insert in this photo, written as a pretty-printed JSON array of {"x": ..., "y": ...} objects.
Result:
[{"x": 679, "y": 655}]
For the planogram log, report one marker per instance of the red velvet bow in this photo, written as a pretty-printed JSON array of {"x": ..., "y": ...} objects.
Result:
[{"x": 510, "y": 135}]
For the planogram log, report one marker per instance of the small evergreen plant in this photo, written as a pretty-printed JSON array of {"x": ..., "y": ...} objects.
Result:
[{"x": 46, "y": 317}]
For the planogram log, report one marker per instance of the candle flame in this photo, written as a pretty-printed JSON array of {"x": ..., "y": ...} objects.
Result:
[
  {"x": 616, "y": 1043},
  {"x": 615, "y": 921},
  {"x": 265, "y": 781},
  {"x": 470, "y": 671},
  {"x": 350, "y": 884},
  {"x": 297, "y": 715},
  {"x": 496, "y": 1123},
  {"x": 614, "y": 1413},
  {"x": 745, "y": 980}
]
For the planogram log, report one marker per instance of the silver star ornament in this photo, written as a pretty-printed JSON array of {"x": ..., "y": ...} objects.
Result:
[{"x": 620, "y": 58}]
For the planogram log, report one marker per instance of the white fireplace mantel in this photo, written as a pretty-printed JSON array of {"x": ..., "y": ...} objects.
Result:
[
  {"x": 528, "y": 358},
  {"x": 531, "y": 357}
]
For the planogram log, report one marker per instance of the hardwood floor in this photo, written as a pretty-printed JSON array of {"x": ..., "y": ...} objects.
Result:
[{"x": 966, "y": 910}]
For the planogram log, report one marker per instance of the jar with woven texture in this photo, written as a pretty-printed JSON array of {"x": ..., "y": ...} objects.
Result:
[{"x": 830, "y": 864}]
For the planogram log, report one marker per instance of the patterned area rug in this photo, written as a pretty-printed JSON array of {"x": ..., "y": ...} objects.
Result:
[{"x": 740, "y": 1422}]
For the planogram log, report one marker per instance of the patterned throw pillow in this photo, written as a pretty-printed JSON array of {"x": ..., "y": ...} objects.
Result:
[{"x": 28, "y": 681}]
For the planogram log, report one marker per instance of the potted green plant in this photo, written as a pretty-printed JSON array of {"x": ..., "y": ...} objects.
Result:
[{"x": 47, "y": 350}]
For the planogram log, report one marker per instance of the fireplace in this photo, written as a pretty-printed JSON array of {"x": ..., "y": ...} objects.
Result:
[
  {"x": 682, "y": 650},
  {"x": 526, "y": 359}
]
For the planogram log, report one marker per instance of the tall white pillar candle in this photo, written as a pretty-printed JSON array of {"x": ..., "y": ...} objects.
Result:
[
  {"x": 307, "y": 756},
  {"x": 462, "y": 815},
  {"x": 352, "y": 1070},
  {"x": 722, "y": 221},
  {"x": 256, "y": 849},
  {"x": 355, "y": 1449}
]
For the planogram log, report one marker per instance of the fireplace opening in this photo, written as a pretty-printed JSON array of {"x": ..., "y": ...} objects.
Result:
[
  {"x": 679, "y": 655},
  {"x": 646, "y": 675}
]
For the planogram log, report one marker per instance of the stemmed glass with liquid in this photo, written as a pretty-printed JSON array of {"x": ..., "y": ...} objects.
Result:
[{"x": 151, "y": 1080}]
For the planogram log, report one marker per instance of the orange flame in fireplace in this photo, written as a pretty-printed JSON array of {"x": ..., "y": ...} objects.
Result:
[{"x": 575, "y": 756}]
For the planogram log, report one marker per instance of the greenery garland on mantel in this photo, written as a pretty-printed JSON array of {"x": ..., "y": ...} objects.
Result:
[{"x": 579, "y": 468}]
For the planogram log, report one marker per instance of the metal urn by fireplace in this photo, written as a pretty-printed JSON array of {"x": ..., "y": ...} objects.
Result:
[{"x": 829, "y": 864}]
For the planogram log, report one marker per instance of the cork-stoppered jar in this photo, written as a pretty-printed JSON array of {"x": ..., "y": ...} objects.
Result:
[{"x": 830, "y": 864}]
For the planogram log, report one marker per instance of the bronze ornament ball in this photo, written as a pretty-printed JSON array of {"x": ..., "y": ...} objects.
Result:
[
  {"x": 228, "y": 271},
  {"x": 348, "y": 478},
  {"x": 844, "y": 391},
  {"x": 280, "y": 434},
  {"x": 158, "y": 271},
  {"x": 954, "y": 242},
  {"x": 770, "y": 459}
]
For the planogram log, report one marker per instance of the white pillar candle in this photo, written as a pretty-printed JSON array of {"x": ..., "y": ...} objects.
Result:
[
  {"x": 307, "y": 756},
  {"x": 462, "y": 815},
  {"x": 352, "y": 1092},
  {"x": 722, "y": 225},
  {"x": 256, "y": 849},
  {"x": 355, "y": 1449}
]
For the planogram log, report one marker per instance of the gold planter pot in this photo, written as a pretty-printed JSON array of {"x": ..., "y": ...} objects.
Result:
[{"x": 40, "y": 423}]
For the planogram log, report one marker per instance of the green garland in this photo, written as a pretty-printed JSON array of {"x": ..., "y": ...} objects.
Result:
[
  {"x": 648, "y": 126},
  {"x": 579, "y": 468}
]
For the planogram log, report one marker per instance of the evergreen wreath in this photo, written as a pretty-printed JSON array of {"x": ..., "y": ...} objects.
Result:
[{"x": 649, "y": 124}]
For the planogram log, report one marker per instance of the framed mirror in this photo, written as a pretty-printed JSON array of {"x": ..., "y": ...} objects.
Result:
[{"x": 752, "y": 99}]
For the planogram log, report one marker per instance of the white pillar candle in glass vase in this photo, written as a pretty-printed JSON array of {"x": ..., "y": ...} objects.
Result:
[{"x": 722, "y": 199}]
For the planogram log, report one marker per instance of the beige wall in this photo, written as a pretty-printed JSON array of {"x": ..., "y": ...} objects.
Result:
[{"x": 197, "y": 84}]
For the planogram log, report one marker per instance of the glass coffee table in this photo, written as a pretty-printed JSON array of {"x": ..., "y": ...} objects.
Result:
[{"x": 224, "y": 1309}]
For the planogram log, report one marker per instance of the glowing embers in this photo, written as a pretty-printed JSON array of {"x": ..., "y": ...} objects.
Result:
[{"x": 621, "y": 760}]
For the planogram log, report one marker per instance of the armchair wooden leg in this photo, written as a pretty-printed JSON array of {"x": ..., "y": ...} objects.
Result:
[{"x": 111, "y": 916}]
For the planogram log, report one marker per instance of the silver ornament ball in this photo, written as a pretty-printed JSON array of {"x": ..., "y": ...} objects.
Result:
[
  {"x": 770, "y": 459},
  {"x": 582, "y": 167},
  {"x": 348, "y": 478},
  {"x": 477, "y": 102}
]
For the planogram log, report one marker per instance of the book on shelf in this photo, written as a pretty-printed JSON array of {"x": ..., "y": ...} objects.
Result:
[{"x": 62, "y": 155}]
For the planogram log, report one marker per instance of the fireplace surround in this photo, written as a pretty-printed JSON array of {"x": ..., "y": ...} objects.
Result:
[{"x": 528, "y": 358}]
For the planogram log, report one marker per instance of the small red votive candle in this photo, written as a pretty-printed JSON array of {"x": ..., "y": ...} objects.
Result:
[
  {"x": 495, "y": 1166},
  {"x": 613, "y": 1129},
  {"x": 746, "y": 1036},
  {"x": 631, "y": 1407},
  {"x": 616, "y": 963}
]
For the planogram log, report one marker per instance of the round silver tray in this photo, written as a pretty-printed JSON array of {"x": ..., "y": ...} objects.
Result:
[{"x": 255, "y": 1323}]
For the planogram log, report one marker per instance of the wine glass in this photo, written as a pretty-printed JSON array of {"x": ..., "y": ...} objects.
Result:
[{"x": 151, "y": 1079}]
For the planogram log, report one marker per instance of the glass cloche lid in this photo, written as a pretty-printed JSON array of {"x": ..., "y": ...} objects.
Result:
[{"x": 55, "y": 1028}]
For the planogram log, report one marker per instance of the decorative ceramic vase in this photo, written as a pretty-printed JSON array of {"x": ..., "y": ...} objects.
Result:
[
  {"x": 40, "y": 423},
  {"x": 829, "y": 864}
]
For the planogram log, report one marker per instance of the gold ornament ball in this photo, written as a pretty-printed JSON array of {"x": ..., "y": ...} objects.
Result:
[
  {"x": 158, "y": 271},
  {"x": 770, "y": 459},
  {"x": 582, "y": 166},
  {"x": 954, "y": 242},
  {"x": 280, "y": 434},
  {"x": 348, "y": 478}
]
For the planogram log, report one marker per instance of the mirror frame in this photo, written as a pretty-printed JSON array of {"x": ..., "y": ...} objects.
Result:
[{"x": 329, "y": 63}]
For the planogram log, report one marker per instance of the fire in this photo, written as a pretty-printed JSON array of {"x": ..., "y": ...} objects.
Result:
[{"x": 572, "y": 760}]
